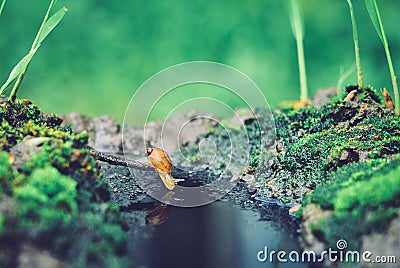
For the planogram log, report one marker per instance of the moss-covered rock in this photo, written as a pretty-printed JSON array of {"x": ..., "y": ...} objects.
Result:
[
  {"x": 312, "y": 143},
  {"x": 22, "y": 118},
  {"x": 52, "y": 196},
  {"x": 47, "y": 201},
  {"x": 364, "y": 198},
  {"x": 341, "y": 162}
]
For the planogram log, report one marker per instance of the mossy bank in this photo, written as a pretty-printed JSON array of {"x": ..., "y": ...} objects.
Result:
[
  {"x": 54, "y": 206},
  {"x": 341, "y": 163}
]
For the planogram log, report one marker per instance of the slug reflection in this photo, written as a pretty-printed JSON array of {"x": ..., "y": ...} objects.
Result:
[
  {"x": 157, "y": 212},
  {"x": 159, "y": 215}
]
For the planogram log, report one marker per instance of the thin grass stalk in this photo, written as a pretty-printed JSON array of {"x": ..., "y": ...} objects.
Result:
[
  {"x": 356, "y": 46},
  {"x": 2, "y": 6},
  {"x": 34, "y": 44},
  {"x": 343, "y": 75},
  {"x": 302, "y": 71},
  {"x": 298, "y": 33},
  {"x": 389, "y": 60}
]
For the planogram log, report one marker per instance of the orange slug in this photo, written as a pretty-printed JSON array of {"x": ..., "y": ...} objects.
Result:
[
  {"x": 163, "y": 165},
  {"x": 388, "y": 99}
]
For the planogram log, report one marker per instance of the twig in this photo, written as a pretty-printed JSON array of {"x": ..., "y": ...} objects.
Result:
[{"x": 121, "y": 161}]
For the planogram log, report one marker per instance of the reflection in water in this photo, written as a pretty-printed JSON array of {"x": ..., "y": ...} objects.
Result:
[
  {"x": 158, "y": 215},
  {"x": 216, "y": 235},
  {"x": 156, "y": 212}
]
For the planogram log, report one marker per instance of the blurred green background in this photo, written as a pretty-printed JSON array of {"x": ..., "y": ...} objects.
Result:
[{"x": 102, "y": 51}]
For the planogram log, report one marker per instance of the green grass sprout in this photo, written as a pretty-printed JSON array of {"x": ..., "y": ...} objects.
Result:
[
  {"x": 374, "y": 14},
  {"x": 19, "y": 70},
  {"x": 2, "y": 6},
  {"x": 343, "y": 75},
  {"x": 296, "y": 22},
  {"x": 356, "y": 47}
]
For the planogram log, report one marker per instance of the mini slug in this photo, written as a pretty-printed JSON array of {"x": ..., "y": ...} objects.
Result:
[
  {"x": 163, "y": 165},
  {"x": 388, "y": 99}
]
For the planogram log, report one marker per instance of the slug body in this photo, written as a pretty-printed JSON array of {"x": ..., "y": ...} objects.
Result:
[
  {"x": 163, "y": 165},
  {"x": 388, "y": 99}
]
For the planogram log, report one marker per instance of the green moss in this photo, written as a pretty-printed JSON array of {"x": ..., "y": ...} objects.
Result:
[
  {"x": 99, "y": 238},
  {"x": 56, "y": 198},
  {"x": 337, "y": 157},
  {"x": 309, "y": 158},
  {"x": 311, "y": 120},
  {"x": 364, "y": 197},
  {"x": 1, "y": 223},
  {"x": 22, "y": 118},
  {"x": 100, "y": 234},
  {"x": 5, "y": 174},
  {"x": 346, "y": 176},
  {"x": 47, "y": 201},
  {"x": 255, "y": 158},
  {"x": 319, "y": 141},
  {"x": 322, "y": 151},
  {"x": 55, "y": 210},
  {"x": 379, "y": 189}
]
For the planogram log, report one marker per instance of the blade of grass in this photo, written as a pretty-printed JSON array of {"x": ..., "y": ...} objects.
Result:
[
  {"x": 46, "y": 16},
  {"x": 2, "y": 6},
  {"x": 356, "y": 47},
  {"x": 45, "y": 28},
  {"x": 34, "y": 44},
  {"x": 343, "y": 76},
  {"x": 297, "y": 29},
  {"x": 18, "y": 69},
  {"x": 374, "y": 17},
  {"x": 373, "y": 11},
  {"x": 51, "y": 24}
]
